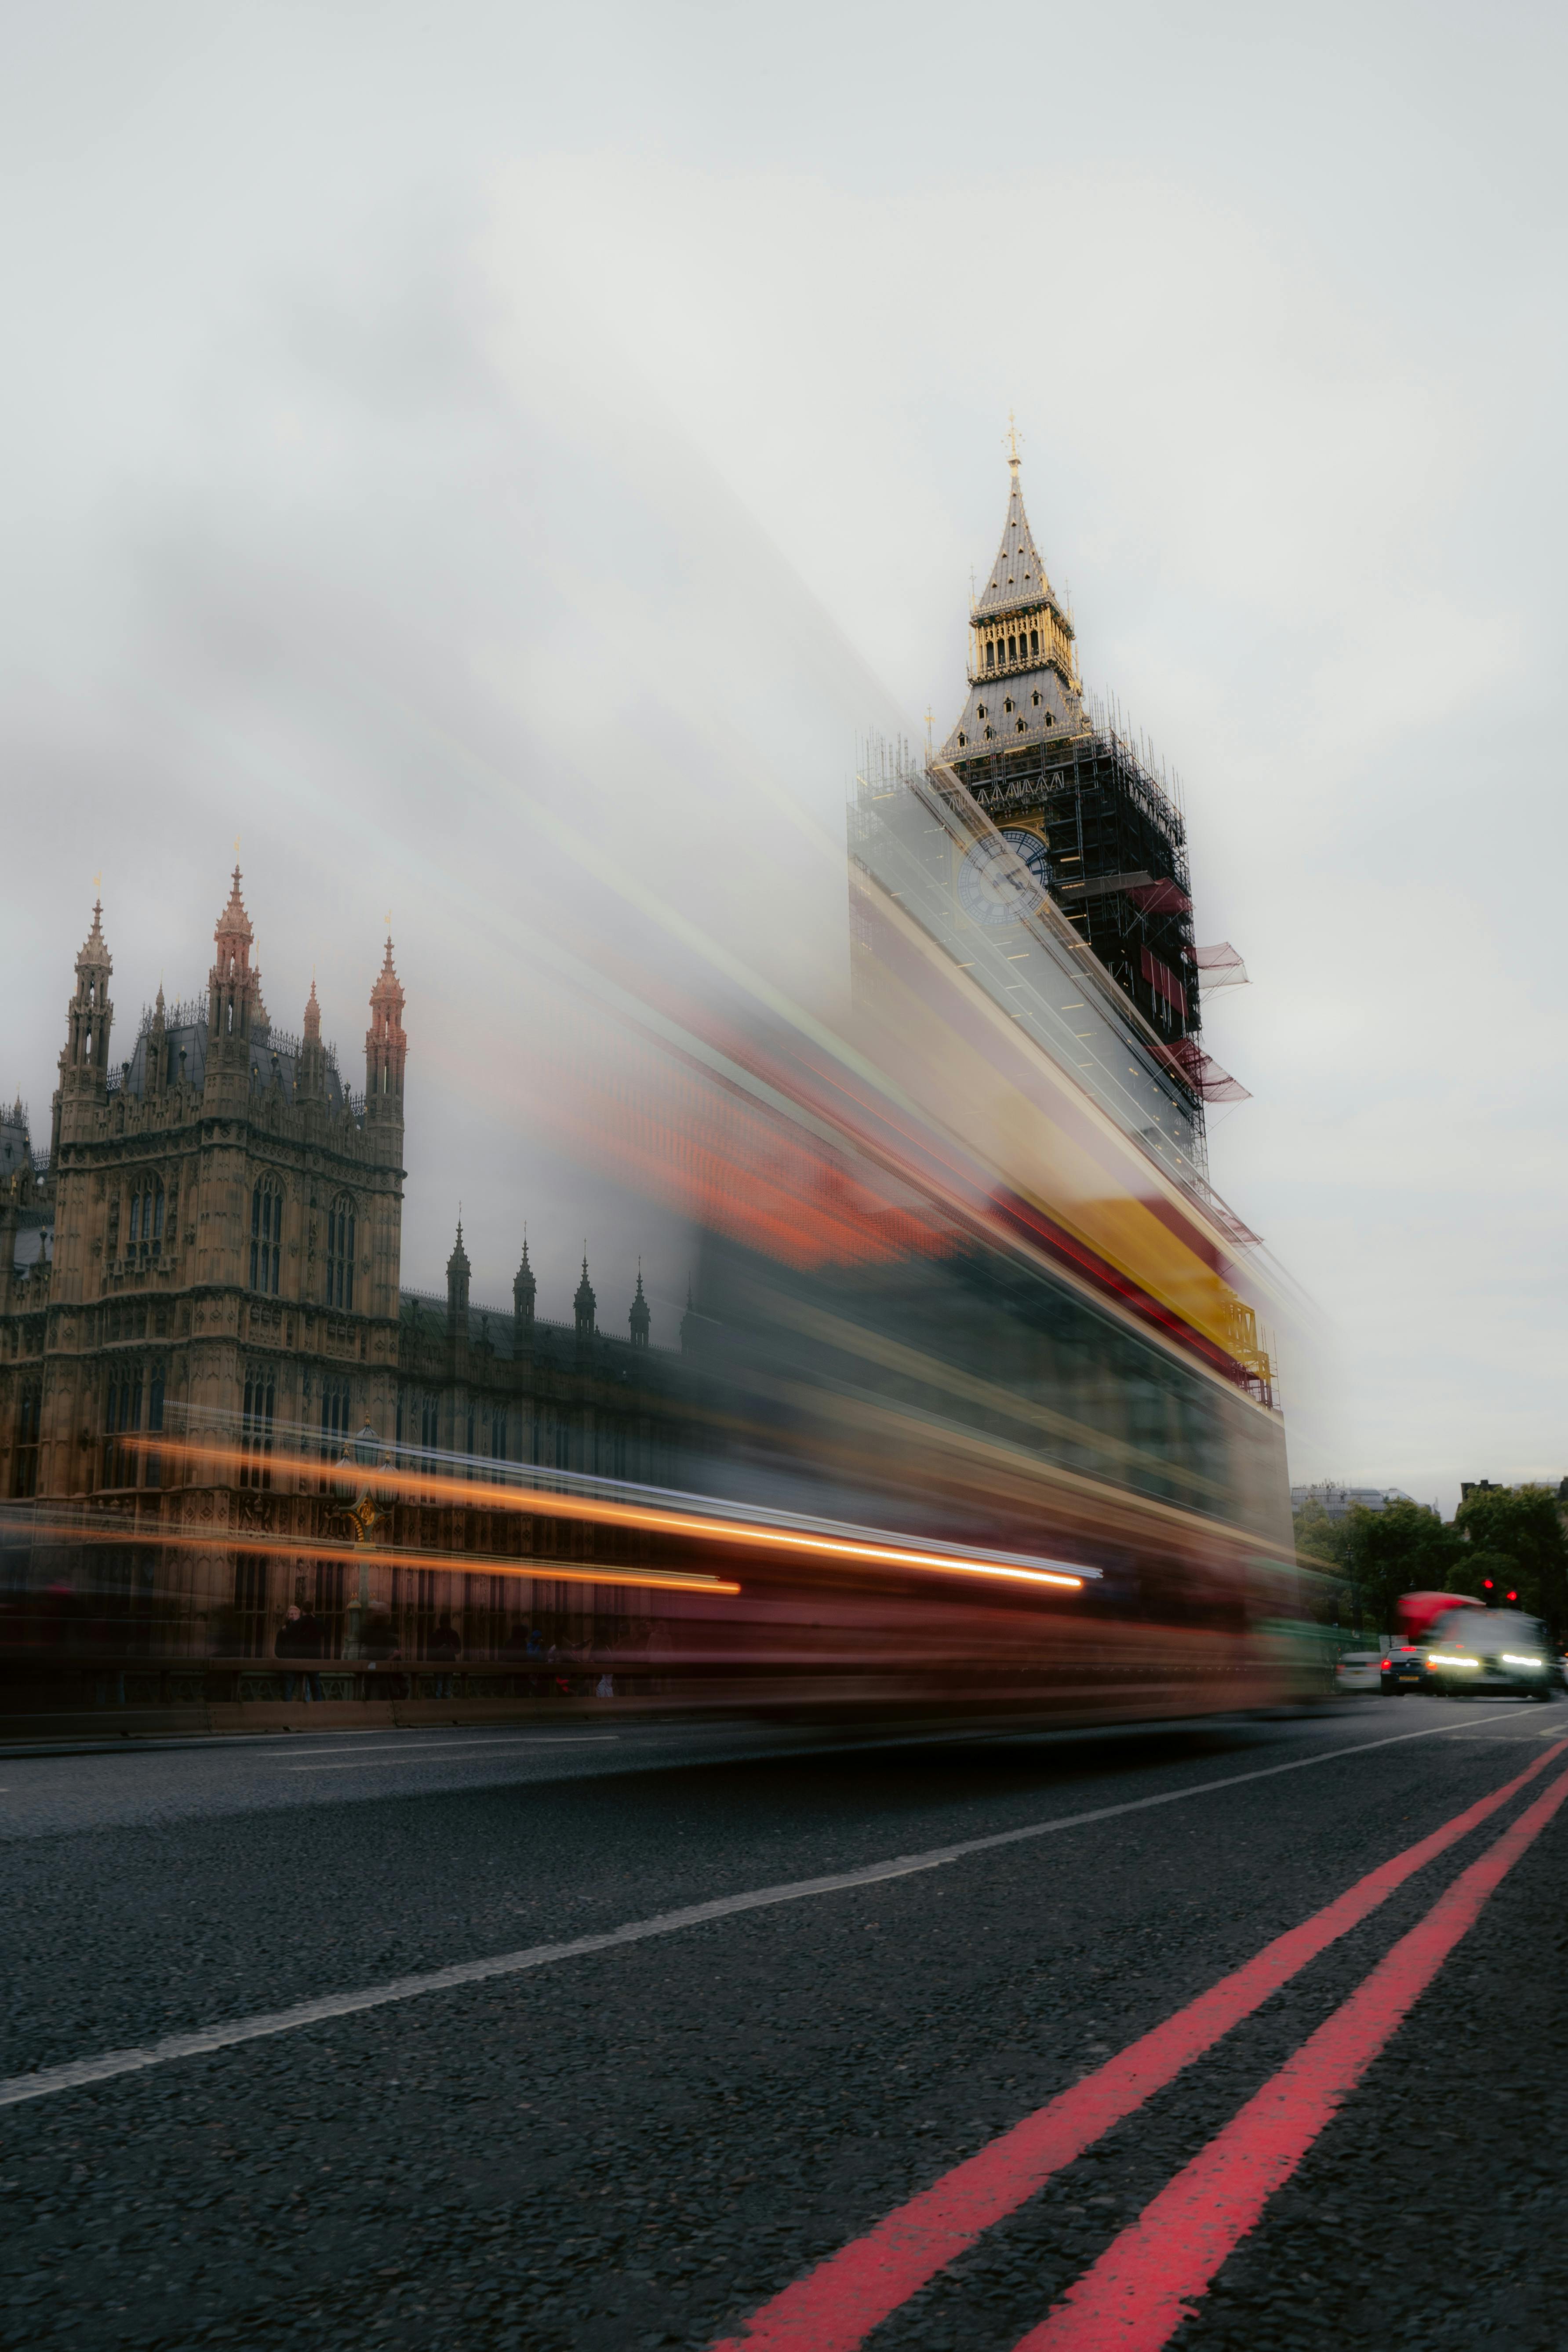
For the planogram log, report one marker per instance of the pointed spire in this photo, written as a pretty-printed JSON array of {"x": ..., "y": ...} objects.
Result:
[
  {"x": 1018, "y": 576},
  {"x": 585, "y": 1305},
  {"x": 234, "y": 986},
  {"x": 312, "y": 1016},
  {"x": 234, "y": 922},
  {"x": 641, "y": 1318},
  {"x": 457, "y": 1272},
  {"x": 523, "y": 1290},
  {"x": 1023, "y": 657},
  {"x": 385, "y": 1044},
  {"x": 90, "y": 1017}
]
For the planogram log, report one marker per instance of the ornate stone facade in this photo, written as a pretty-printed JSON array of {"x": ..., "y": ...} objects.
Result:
[{"x": 201, "y": 1306}]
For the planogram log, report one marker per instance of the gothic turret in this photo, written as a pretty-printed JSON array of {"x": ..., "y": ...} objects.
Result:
[
  {"x": 90, "y": 1016},
  {"x": 640, "y": 1319},
  {"x": 457, "y": 1272},
  {"x": 522, "y": 1296},
  {"x": 155, "y": 1065},
  {"x": 585, "y": 1305},
  {"x": 235, "y": 1010},
  {"x": 311, "y": 1073},
  {"x": 386, "y": 1046}
]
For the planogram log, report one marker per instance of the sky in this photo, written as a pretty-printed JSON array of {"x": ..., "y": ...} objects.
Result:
[{"x": 463, "y": 452}]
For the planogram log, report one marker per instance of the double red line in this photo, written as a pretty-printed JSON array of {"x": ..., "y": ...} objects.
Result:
[{"x": 1139, "y": 2291}]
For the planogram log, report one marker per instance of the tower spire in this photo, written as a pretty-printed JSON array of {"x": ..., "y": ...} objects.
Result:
[
  {"x": 235, "y": 1010},
  {"x": 641, "y": 1316},
  {"x": 585, "y": 1305},
  {"x": 1023, "y": 686},
  {"x": 90, "y": 1017},
  {"x": 385, "y": 1044}
]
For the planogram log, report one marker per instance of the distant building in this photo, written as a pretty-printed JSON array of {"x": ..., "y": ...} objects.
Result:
[
  {"x": 1337, "y": 1502},
  {"x": 1468, "y": 1486}
]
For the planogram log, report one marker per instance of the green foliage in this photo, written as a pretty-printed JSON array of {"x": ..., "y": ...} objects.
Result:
[
  {"x": 1355, "y": 1569},
  {"x": 1378, "y": 1555},
  {"x": 1405, "y": 1547},
  {"x": 1525, "y": 1532}
]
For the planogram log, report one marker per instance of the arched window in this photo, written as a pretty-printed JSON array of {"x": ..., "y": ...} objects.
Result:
[
  {"x": 147, "y": 1216},
  {"x": 256, "y": 1427},
  {"x": 1034, "y": 641},
  {"x": 122, "y": 1421},
  {"x": 990, "y": 655},
  {"x": 1012, "y": 648},
  {"x": 340, "y": 1253},
  {"x": 334, "y": 1420},
  {"x": 266, "y": 1236}
]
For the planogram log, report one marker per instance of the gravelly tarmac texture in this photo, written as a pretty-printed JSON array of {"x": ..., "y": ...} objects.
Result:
[{"x": 639, "y": 2147}]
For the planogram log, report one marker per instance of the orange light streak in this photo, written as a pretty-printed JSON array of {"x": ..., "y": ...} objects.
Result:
[
  {"x": 467, "y": 1563},
  {"x": 433, "y": 1485}
]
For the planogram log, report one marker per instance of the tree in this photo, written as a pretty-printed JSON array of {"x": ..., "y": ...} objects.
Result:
[
  {"x": 1322, "y": 1550},
  {"x": 1403, "y": 1548},
  {"x": 1522, "y": 1527}
]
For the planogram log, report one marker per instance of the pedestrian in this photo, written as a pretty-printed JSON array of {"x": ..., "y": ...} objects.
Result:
[
  {"x": 298, "y": 1637},
  {"x": 447, "y": 1645}
]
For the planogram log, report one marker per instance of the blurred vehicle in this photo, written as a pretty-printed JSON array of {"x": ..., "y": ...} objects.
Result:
[
  {"x": 1419, "y": 1611},
  {"x": 1358, "y": 1670},
  {"x": 1402, "y": 1670},
  {"x": 1493, "y": 1650}
]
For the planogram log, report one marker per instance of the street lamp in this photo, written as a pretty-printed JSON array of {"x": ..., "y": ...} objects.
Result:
[{"x": 352, "y": 1478}]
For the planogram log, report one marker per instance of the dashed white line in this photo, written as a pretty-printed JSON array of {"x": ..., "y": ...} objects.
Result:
[{"x": 78, "y": 2073}]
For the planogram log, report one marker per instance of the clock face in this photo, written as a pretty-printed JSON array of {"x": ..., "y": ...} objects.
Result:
[{"x": 1001, "y": 880}]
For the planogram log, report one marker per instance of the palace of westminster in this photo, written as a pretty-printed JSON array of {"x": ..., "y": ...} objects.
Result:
[
  {"x": 208, "y": 1259},
  {"x": 207, "y": 1254}
]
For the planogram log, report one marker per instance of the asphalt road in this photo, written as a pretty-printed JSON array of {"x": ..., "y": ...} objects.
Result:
[{"x": 640, "y": 2128}]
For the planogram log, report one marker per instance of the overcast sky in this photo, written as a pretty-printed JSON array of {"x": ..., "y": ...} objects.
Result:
[{"x": 439, "y": 436}]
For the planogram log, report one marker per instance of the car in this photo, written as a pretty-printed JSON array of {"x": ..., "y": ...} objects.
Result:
[
  {"x": 1358, "y": 1670},
  {"x": 1402, "y": 1670},
  {"x": 1498, "y": 1651}
]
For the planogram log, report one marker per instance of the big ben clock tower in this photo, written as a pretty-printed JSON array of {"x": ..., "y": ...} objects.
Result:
[{"x": 1093, "y": 826}]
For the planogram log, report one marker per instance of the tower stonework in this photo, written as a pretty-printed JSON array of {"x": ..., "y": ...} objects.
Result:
[{"x": 226, "y": 1218}]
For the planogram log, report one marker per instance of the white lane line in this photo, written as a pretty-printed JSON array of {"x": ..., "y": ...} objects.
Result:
[
  {"x": 79, "y": 2072},
  {"x": 426, "y": 1756}
]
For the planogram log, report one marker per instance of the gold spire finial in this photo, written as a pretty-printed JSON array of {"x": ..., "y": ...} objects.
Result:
[
  {"x": 930, "y": 723},
  {"x": 1011, "y": 440}
]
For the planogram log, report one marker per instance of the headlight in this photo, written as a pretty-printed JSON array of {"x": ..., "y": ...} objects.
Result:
[
  {"x": 1536, "y": 1665},
  {"x": 1455, "y": 1662}
]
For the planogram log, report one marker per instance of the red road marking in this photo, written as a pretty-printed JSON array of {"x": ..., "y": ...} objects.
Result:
[
  {"x": 835, "y": 2308},
  {"x": 1143, "y": 2285}
]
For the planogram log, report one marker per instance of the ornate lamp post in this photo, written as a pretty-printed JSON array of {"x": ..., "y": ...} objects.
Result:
[{"x": 351, "y": 1485}]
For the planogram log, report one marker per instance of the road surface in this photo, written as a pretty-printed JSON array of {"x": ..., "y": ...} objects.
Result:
[{"x": 615, "y": 2035}]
